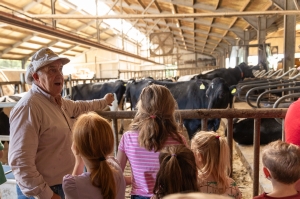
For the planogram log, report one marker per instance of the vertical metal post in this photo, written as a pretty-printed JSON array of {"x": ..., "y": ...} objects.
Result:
[
  {"x": 289, "y": 38},
  {"x": 22, "y": 79},
  {"x": 53, "y": 12},
  {"x": 115, "y": 131},
  {"x": 256, "y": 142},
  {"x": 204, "y": 124},
  {"x": 97, "y": 23},
  {"x": 230, "y": 140},
  {"x": 283, "y": 132},
  {"x": 70, "y": 85}
]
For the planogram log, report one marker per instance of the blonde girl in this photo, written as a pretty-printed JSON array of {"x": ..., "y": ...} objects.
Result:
[
  {"x": 93, "y": 142},
  {"x": 153, "y": 128},
  {"x": 212, "y": 158}
]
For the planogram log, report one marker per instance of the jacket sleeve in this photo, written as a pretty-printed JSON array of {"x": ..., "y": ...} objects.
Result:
[{"x": 23, "y": 145}]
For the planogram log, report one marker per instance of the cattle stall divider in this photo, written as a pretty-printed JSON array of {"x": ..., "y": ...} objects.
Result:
[
  {"x": 204, "y": 114},
  {"x": 164, "y": 73}
]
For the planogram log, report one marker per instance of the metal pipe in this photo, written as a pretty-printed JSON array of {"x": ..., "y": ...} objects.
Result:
[
  {"x": 204, "y": 124},
  {"x": 256, "y": 141},
  {"x": 259, "y": 98},
  {"x": 230, "y": 140},
  {"x": 169, "y": 16},
  {"x": 208, "y": 113},
  {"x": 115, "y": 131},
  {"x": 265, "y": 87}
]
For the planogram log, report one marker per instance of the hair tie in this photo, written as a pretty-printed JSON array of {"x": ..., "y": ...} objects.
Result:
[
  {"x": 153, "y": 116},
  {"x": 102, "y": 159},
  {"x": 174, "y": 155},
  {"x": 217, "y": 136}
]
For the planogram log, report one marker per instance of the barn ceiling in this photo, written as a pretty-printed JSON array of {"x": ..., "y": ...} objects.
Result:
[{"x": 21, "y": 34}]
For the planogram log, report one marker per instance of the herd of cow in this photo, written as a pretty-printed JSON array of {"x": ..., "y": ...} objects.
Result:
[{"x": 213, "y": 90}]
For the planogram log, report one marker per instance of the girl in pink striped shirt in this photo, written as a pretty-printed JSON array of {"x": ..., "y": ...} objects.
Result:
[{"x": 153, "y": 127}]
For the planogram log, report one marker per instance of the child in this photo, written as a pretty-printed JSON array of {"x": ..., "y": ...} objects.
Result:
[
  {"x": 195, "y": 196},
  {"x": 212, "y": 158},
  {"x": 281, "y": 166},
  {"x": 177, "y": 173},
  {"x": 153, "y": 128},
  {"x": 93, "y": 142}
]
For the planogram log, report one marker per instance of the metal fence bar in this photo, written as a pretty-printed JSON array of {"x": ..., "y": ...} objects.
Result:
[
  {"x": 256, "y": 144},
  {"x": 230, "y": 140},
  {"x": 208, "y": 113},
  {"x": 257, "y": 114}
]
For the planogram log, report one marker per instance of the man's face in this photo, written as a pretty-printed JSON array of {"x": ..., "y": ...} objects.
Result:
[{"x": 50, "y": 78}]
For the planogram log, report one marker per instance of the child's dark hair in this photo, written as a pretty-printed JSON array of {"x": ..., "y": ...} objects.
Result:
[
  {"x": 177, "y": 173},
  {"x": 283, "y": 161},
  {"x": 94, "y": 140},
  {"x": 155, "y": 119}
]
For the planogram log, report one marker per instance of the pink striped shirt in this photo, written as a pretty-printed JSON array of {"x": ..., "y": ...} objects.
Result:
[{"x": 144, "y": 164}]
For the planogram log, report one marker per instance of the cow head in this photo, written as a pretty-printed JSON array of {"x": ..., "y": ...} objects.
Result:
[
  {"x": 219, "y": 94},
  {"x": 246, "y": 71}
]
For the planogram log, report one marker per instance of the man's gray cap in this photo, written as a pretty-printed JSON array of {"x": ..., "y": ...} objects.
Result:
[{"x": 40, "y": 59}]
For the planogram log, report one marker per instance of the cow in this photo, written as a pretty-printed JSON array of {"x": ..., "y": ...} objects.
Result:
[
  {"x": 243, "y": 131},
  {"x": 231, "y": 75},
  {"x": 98, "y": 90},
  {"x": 194, "y": 94},
  {"x": 4, "y": 123},
  {"x": 4, "y": 119}
]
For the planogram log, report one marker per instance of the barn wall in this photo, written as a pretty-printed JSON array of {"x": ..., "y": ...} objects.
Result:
[{"x": 276, "y": 39}]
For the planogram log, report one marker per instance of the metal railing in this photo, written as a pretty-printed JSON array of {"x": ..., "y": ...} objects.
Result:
[{"x": 204, "y": 114}]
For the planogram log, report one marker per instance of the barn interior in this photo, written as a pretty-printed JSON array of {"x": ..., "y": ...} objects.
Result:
[{"x": 163, "y": 39}]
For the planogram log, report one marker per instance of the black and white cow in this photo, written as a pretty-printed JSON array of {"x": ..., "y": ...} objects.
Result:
[
  {"x": 98, "y": 91},
  {"x": 243, "y": 131},
  {"x": 194, "y": 94},
  {"x": 232, "y": 75}
]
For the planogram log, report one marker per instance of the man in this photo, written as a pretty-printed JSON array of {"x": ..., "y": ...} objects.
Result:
[{"x": 41, "y": 127}]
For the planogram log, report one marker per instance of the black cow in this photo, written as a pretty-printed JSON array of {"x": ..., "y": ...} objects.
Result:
[
  {"x": 4, "y": 120},
  {"x": 194, "y": 94},
  {"x": 231, "y": 75},
  {"x": 98, "y": 90},
  {"x": 243, "y": 131},
  {"x": 4, "y": 123}
]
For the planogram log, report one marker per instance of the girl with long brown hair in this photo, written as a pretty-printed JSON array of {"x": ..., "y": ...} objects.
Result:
[{"x": 153, "y": 127}]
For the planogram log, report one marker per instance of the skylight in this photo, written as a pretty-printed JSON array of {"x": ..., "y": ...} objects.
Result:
[{"x": 89, "y": 7}]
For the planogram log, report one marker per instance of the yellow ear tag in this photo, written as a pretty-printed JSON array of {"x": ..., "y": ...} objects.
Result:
[
  {"x": 202, "y": 87},
  {"x": 233, "y": 91},
  {"x": 125, "y": 84}
]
